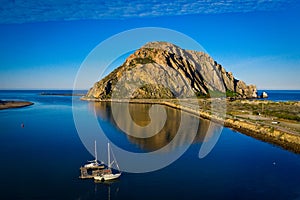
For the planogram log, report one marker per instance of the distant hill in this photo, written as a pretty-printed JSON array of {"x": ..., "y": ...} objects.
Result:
[{"x": 162, "y": 69}]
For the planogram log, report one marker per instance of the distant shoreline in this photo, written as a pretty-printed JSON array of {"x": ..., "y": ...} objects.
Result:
[
  {"x": 60, "y": 94},
  {"x": 273, "y": 134},
  {"x": 14, "y": 104}
]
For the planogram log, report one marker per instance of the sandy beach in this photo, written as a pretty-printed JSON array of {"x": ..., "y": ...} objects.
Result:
[{"x": 14, "y": 104}]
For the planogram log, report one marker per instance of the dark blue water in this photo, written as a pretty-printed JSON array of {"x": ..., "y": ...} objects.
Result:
[
  {"x": 282, "y": 95},
  {"x": 42, "y": 160}
]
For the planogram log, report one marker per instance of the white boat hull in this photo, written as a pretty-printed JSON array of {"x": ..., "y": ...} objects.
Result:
[{"x": 106, "y": 177}]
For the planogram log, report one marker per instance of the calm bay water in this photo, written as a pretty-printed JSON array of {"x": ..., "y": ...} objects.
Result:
[
  {"x": 42, "y": 160},
  {"x": 282, "y": 95}
]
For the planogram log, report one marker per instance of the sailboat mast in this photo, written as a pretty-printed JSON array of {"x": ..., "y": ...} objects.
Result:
[
  {"x": 108, "y": 155},
  {"x": 96, "y": 151}
]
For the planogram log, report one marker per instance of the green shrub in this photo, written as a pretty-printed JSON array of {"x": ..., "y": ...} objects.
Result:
[{"x": 230, "y": 93}]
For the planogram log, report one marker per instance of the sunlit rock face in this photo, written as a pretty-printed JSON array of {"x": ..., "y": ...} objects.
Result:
[{"x": 164, "y": 70}]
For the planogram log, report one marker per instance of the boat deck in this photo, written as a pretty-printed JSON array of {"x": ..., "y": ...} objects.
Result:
[{"x": 91, "y": 172}]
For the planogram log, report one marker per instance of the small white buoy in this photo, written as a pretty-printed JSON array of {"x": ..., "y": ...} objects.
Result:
[{"x": 274, "y": 163}]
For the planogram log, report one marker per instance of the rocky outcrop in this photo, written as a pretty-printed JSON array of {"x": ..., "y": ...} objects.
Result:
[
  {"x": 264, "y": 95},
  {"x": 164, "y": 70}
]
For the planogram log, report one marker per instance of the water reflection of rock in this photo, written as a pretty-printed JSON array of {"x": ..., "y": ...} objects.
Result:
[{"x": 140, "y": 115}]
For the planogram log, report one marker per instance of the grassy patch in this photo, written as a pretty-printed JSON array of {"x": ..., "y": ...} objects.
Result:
[
  {"x": 141, "y": 61},
  {"x": 230, "y": 93},
  {"x": 217, "y": 94}
]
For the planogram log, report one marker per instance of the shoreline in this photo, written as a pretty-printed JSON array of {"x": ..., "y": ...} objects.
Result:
[
  {"x": 14, "y": 104},
  {"x": 259, "y": 130},
  {"x": 60, "y": 94}
]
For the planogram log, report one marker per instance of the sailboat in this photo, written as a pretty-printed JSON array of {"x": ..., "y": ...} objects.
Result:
[
  {"x": 107, "y": 173},
  {"x": 93, "y": 163}
]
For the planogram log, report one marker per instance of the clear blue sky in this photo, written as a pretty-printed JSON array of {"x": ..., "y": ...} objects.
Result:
[{"x": 43, "y": 49}]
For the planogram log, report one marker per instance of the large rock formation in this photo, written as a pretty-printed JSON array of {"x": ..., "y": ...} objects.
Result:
[{"x": 164, "y": 70}]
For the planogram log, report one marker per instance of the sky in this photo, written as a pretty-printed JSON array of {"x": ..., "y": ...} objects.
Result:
[{"x": 44, "y": 43}]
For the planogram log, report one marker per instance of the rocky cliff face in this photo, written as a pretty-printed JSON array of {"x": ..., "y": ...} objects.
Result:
[{"x": 164, "y": 70}]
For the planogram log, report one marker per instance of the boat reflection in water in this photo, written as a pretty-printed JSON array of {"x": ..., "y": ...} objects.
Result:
[
  {"x": 102, "y": 190},
  {"x": 139, "y": 114}
]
